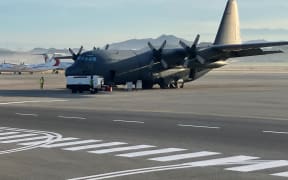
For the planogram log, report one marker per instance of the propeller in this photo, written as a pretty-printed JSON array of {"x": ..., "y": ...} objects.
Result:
[
  {"x": 192, "y": 53},
  {"x": 157, "y": 54},
  {"x": 75, "y": 56},
  {"x": 107, "y": 46}
]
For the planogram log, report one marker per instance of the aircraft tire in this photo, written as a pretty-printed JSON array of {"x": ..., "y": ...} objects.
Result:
[{"x": 147, "y": 84}]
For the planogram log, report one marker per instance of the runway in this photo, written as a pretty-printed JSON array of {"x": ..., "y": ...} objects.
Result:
[{"x": 226, "y": 125}]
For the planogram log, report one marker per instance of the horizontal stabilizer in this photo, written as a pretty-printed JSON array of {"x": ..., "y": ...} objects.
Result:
[{"x": 235, "y": 47}]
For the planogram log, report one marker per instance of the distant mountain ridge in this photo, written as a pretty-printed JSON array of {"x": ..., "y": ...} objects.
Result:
[{"x": 172, "y": 42}]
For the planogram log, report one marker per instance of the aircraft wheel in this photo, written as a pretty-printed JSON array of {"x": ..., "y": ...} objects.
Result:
[{"x": 147, "y": 84}]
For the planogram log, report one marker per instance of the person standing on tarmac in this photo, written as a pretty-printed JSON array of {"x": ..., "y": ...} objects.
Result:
[
  {"x": 42, "y": 82},
  {"x": 91, "y": 84}
]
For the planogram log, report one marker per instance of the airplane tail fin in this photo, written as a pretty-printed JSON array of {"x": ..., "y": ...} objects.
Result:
[
  {"x": 46, "y": 57},
  {"x": 229, "y": 30}
]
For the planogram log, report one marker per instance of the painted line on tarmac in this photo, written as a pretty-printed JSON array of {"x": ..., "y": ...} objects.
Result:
[
  {"x": 124, "y": 121},
  {"x": 275, "y": 132},
  {"x": 23, "y": 114},
  {"x": 282, "y": 174},
  {"x": 195, "y": 126},
  {"x": 206, "y": 163},
  {"x": 24, "y": 102},
  {"x": 197, "y": 114},
  {"x": 51, "y": 137},
  {"x": 71, "y": 117}
]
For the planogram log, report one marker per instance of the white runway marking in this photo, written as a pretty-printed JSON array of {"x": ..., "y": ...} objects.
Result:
[
  {"x": 67, "y": 117},
  {"x": 124, "y": 121},
  {"x": 51, "y": 136},
  {"x": 260, "y": 166},
  {"x": 22, "y": 114},
  {"x": 8, "y": 133},
  {"x": 214, "y": 162},
  {"x": 23, "y": 102},
  {"x": 25, "y": 139},
  {"x": 282, "y": 174},
  {"x": 275, "y": 132},
  {"x": 52, "y": 142},
  {"x": 91, "y": 146},
  {"x": 222, "y": 161},
  {"x": 151, "y": 152},
  {"x": 184, "y": 156},
  {"x": 195, "y": 126},
  {"x": 106, "y": 151},
  {"x": 17, "y": 136},
  {"x": 70, "y": 143}
]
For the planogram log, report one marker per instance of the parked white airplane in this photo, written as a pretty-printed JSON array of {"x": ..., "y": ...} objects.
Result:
[{"x": 51, "y": 63}]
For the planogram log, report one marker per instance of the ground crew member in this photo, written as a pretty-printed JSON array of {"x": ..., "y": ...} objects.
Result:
[
  {"x": 42, "y": 82},
  {"x": 91, "y": 84}
]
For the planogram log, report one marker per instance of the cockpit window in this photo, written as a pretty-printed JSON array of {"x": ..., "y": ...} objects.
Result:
[{"x": 87, "y": 58}]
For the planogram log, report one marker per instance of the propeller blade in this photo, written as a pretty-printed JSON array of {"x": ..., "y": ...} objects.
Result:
[
  {"x": 184, "y": 45},
  {"x": 72, "y": 52},
  {"x": 80, "y": 50},
  {"x": 151, "y": 46},
  {"x": 200, "y": 59},
  {"x": 163, "y": 45},
  {"x": 196, "y": 41},
  {"x": 164, "y": 64},
  {"x": 107, "y": 47}
]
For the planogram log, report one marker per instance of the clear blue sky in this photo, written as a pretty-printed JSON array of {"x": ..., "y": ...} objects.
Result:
[{"x": 71, "y": 23}]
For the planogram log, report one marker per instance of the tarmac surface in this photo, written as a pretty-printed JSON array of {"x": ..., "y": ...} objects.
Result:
[{"x": 229, "y": 124}]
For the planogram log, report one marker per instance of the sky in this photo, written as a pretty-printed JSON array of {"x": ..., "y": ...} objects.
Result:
[{"x": 27, "y": 24}]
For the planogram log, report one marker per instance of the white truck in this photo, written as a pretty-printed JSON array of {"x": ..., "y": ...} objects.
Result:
[{"x": 82, "y": 83}]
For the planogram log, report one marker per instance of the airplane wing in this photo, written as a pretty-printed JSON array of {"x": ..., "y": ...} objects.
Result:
[{"x": 238, "y": 47}]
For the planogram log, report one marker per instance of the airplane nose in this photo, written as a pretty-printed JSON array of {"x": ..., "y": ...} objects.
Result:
[{"x": 70, "y": 71}]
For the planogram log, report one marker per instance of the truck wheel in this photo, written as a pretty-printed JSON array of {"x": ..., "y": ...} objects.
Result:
[{"x": 92, "y": 91}]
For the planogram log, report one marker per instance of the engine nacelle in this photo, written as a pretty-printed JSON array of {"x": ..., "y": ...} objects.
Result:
[{"x": 215, "y": 65}]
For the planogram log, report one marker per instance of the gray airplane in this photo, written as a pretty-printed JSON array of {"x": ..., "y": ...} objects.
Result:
[{"x": 169, "y": 67}]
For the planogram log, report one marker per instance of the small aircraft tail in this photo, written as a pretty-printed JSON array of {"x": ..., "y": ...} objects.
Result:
[
  {"x": 229, "y": 30},
  {"x": 46, "y": 57}
]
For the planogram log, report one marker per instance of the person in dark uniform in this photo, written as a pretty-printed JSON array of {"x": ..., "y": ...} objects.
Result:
[{"x": 42, "y": 82}]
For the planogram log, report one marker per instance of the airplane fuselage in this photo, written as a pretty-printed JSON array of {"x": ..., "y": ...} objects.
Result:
[{"x": 118, "y": 67}]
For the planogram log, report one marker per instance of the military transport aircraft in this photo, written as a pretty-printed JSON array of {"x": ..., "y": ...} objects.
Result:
[{"x": 167, "y": 67}]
